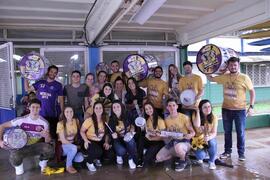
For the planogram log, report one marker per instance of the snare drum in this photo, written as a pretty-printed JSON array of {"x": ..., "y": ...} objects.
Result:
[
  {"x": 15, "y": 138},
  {"x": 135, "y": 66},
  {"x": 213, "y": 59},
  {"x": 128, "y": 136},
  {"x": 187, "y": 97},
  {"x": 33, "y": 66}
]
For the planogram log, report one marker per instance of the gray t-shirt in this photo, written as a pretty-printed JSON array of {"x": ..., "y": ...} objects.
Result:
[{"x": 75, "y": 96}]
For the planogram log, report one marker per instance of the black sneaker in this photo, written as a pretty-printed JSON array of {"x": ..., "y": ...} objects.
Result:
[
  {"x": 225, "y": 155},
  {"x": 180, "y": 166},
  {"x": 140, "y": 164},
  {"x": 242, "y": 157}
]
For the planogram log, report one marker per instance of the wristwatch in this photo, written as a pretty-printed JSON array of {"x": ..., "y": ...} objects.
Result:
[{"x": 251, "y": 106}]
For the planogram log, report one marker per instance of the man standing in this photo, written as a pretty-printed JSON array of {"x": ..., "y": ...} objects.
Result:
[
  {"x": 193, "y": 82},
  {"x": 49, "y": 92},
  {"x": 235, "y": 85},
  {"x": 115, "y": 66},
  {"x": 36, "y": 128},
  {"x": 77, "y": 94},
  {"x": 156, "y": 90}
]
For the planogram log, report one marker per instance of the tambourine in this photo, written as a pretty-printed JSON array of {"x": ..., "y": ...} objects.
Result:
[
  {"x": 15, "y": 138},
  {"x": 102, "y": 66},
  {"x": 33, "y": 66},
  {"x": 128, "y": 136},
  {"x": 213, "y": 59},
  {"x": 136, "y": 66},
  {"x": 187, "y": 97},
  {"x": 140, "y": 122}
]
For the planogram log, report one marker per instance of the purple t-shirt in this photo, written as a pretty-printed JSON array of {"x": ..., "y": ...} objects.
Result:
[{"x": 47, "y": 93}]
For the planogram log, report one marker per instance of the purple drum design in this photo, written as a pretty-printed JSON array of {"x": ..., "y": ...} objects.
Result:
[
  {"x": 15, "y": 138},
  {"x": 212, "y": 59},
  {"x": 102, "y": 66},
  {"x": 136, "y": 66},
  {"x": 32, "y": 66}
]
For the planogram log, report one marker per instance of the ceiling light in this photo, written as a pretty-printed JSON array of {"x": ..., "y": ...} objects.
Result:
[
  {"x": 148, "y": 8},
  {"x": 2, "y": 60},
  {"x": 17, "y": 57},
  {"x": 74, "y": 57}
]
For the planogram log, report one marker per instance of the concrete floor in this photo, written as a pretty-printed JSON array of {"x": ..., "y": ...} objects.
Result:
[{"x": 256, "y": 166}]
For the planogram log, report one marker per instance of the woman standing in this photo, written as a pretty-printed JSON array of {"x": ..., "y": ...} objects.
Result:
[
  {"x": 173, "y": 80},
  {"x": 120, "y": 127},
  {"x": 93, "y": 134},
  {"x": 67, "y": 130},
  {"x": 206, "y": 127}
]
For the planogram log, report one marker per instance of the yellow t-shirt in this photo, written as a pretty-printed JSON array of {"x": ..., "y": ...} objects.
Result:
[
  {"x": 191, "y": 82},
  {"x": 209, "y": 126},
  {"x": 178, "y": 124},
  {"x": 71, "y": 129},
  {"x": 114, "y": 76},
  {"x": 156, "y": 88},
  {"x": 234, "y": 90},
  {"x": 90, "y": 133},
  {"x": 160, "y": 125}
]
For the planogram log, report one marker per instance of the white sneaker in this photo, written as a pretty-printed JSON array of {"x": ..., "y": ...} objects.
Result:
[
  {"x": 212, "y": 166},
  {"x": 19, "y": 169},
  {"x": 98, "y": 163},
  {"x": 131, "y": 164},
  {"x": 91, "y": 167},
  {"x": 119, "y": 160},
  {"x": 43, "y": 165},
  {"x": 200, "y": 161}
]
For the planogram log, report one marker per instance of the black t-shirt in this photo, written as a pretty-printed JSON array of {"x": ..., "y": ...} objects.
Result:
[{"x": 139, "y": 97}]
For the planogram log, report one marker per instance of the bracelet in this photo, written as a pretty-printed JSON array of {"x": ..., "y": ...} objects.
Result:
[{"x": 251, "y": 106}]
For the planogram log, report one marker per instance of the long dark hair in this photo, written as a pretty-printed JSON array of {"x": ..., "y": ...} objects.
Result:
[
  {"x": 102, "y": 94},
  {"x": 136, "y": 85},
  {"x": 63, "y": 119},
  {"x": 123, "y": 115},
  {"x": 155, "y": 114},
  {"x": 170, "y": 78},
  {"x": 94, "y": 116},
  {"x": 210, "y": 116}
]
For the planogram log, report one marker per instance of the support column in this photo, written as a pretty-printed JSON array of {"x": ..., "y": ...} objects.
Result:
[
  {"x": 183, "y": 56},
  {"x": 93, "y": 59}
]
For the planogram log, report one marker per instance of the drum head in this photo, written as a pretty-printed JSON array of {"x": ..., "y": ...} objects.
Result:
[
  {"x": 209, "y": 59},
  {"x": 136, "y": 66},
  {"x": 32, "y": 66},
  {"x": 151, "y": 60},
  {"x": 187, "y": 97},
  {"x": 140, "y": 121},
  {"x": 102, "y": 67},
  {"x": 15, "y": 138}
]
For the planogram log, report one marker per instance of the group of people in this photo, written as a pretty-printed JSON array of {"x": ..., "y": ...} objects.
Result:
[{"x": 95, "y": 121}]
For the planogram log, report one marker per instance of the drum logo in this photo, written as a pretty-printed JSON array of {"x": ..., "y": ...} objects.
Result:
[
  {"x": 209, "y": 59},
  {"x": 136, "y": 66}
]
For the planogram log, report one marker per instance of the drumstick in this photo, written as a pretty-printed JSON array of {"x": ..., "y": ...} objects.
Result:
[{"x": 109, "y": 127}]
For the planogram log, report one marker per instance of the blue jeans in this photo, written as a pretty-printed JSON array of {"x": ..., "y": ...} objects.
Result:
[
  {"x": 70, "y": 150},
  {"x": 212, "y": 151},
  {"x": 121, "y": 148},
  {"x": 239, "y": 117}
]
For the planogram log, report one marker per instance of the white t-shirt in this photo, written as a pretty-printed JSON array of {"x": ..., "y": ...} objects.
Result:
[{"x": 31, "y": 127}]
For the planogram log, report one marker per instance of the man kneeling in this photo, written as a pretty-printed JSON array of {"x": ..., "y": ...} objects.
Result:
[
  {"x": 37, "y": 129},
  {"x": 176, "y": 146}
]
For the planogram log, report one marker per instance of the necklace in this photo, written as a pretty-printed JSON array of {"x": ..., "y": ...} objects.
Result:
[{"x": 232, "y": 80}]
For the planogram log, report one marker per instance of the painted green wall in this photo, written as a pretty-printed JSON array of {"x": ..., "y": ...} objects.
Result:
[{"x": 214, "y": 92}]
